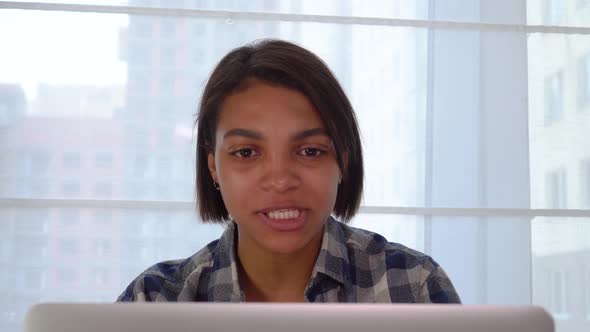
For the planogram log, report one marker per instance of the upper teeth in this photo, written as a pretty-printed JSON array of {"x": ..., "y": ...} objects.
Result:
[{"x": 284, "y": 214}]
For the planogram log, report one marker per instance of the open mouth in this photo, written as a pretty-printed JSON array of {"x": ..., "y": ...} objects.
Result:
[{"x": 283, "y": 214}]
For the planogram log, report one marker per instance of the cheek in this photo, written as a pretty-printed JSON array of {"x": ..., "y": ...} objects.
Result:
[{"x": 323, "y": 186}]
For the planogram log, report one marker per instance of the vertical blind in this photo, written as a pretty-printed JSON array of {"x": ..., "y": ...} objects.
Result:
[{"x": 474, "y": 115}]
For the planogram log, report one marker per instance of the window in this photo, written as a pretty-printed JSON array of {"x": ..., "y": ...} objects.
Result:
[
  {"x": 584, "y": 81},
  {"x": 39, "y": 187},
  {"x": 40, "y": 163},
  {"x": 167, "y": 84},
  {"x": 586, "y": 283},
  {"x": 34, "y": 278},
  {"x": 553, "y": 10},
  {"x": 68, "y": 246},
  {"x": 32, "y": 221},
  {"x": 167, "y": 57},
  {"x": 140, "y": 27},
  {"x": 141, "y": 166},
  {"x": 167, "y": 28},
  {"x": 103, "y": 190},
  {"x": 585, "y": 183},
  {"x": 70, "y": 188},
  {"x": 101, "y": 247},
  {"x": 104, "y": 160},
  {"x": 558, "y": 295},
  {"x": 554, "y": 98},
  {"x": 34, "y": 248},
  {"x": 199, "y": 29},
  {"x": 103, "y": 216},
  {"x": 69, "y": 217},
  {"x": 555, "y": 189},
  {"x": 444, "y": 115},
  {"x": 71, "y": 160},
  {"x": 4, "y": 121},
  {"x": 100, "y": 276},
  {"x": 66, "y": 276}
]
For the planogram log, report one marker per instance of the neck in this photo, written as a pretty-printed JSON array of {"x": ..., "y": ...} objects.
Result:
[{"x": 276, "y": 277}]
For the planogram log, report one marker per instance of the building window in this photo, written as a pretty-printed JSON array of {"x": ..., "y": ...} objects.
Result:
[
  {"x": 198, "y": 57},
  {"x": 71, "y": 160},
  {"x": 32, "y": 221},
  {"x": 199, "y": 29},
  {"x": 103, "y": 160},
  {"x": 167, "y": 57},
  {"x": 102, "y": 247},
  {"x": 167, "y": 28},
  {"x": 552, "y": 11},
  {"x": 555, "y": 189},
  {"x": 31, "y": 248},
  {"x": 586, "y": 283},
  {"x": 141, "y": 166},
  {"x": 557, "y": 295},
  {"x": 553, "y": 98},
  {"x": 34, "y": 278},
  {"x": 103, "y": 190},
  {"x": 4, "y": 116},
  {"x": 40, "y": 163},
  {"x": 100, "y": 276},
  {"x": 584, "y": 81},
  {"x": 167, "y": 84},
  {"x": 103, "y": 216},
  {"x": 68, "y": 246},
  {"x": 585, "y": 183},
  {"x": 39, "y": 188},
  {"x": 69, "y": 217},
  {"x": 70, "y": 188},
  {"x": 141, "y": 26},
  {"x": 66, "y": 276}
]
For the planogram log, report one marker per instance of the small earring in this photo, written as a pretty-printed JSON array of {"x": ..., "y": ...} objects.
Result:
[{"x": 216, "y": 185}]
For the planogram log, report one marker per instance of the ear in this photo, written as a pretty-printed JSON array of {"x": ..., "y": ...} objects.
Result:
[
  {"x": 345, "y": 162},
  {"x": 211, "y": 165}
]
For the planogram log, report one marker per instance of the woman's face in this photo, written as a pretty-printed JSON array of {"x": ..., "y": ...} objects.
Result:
[{"x": 276, "y": 167}]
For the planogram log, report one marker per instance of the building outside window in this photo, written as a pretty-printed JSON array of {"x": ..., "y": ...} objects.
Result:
[
  {"x": 71, "y": 160},
  {"x": 70, "y": 188},
  {"x": 555, "y": 189},
  {"x": 553, "y": 10},
  {"x": 553, "y": 98},
  {"x": 585, "y": 183},
  {"x": 103, "y": 160},
  {"x": 557, "y": 295},
  {"x": 584, "y": 82},
  {"x": 103, "y": 190}
]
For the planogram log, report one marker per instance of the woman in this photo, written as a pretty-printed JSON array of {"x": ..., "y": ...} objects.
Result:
[{"x": 278, "y": 153}]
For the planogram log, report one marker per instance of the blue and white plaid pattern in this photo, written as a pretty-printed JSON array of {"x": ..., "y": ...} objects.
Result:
[{"x": 353, "y": 265}]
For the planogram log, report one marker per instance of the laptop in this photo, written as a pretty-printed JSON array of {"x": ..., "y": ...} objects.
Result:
[{"x": 263, "y": 317}]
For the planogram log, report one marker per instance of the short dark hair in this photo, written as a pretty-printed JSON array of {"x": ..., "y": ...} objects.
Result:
[{"x": 288, "y": 65}]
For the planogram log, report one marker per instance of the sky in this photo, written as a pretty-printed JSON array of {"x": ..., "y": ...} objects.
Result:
[{"x": 60, "y": 48}]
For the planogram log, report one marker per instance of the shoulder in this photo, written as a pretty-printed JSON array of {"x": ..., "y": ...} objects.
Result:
[
  {"x": 174, "y": 280},
  {"x": 407, "y": 275},
  {"x": 370, "y": 245}
]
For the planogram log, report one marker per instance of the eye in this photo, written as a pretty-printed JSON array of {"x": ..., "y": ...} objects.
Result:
[
  {"x": 245, "y": 153},
  {"x": 311, "y": 152}
]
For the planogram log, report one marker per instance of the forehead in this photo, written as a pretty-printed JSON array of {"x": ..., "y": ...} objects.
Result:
[{"x": 268, "y": 108}]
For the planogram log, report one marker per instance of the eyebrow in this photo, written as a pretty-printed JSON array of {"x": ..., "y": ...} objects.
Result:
[{"x": 241, "y": 132}]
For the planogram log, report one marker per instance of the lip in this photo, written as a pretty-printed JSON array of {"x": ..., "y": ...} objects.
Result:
[{"x": 284, "y": 225}]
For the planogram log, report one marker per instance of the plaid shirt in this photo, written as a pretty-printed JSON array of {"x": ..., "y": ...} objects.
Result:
[{"x": 353, "y": 265}]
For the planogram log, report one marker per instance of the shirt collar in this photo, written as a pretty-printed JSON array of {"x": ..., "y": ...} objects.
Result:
[
  {"x": 332, "y": 262},
  {"x": 333, "y": 259},
  {"x": 224, "y": 285}
]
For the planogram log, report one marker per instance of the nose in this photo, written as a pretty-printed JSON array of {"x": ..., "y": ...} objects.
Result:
[{"x": 280, "y": 174}]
